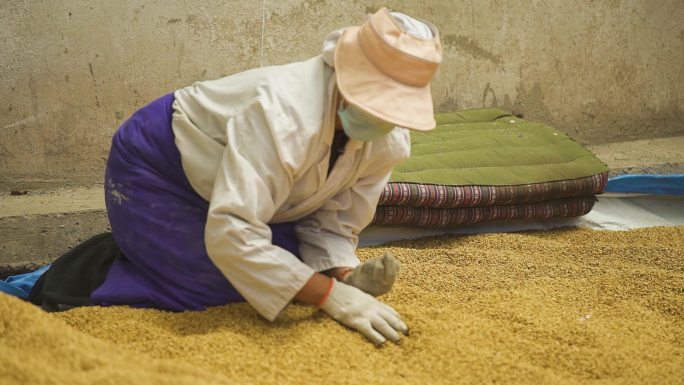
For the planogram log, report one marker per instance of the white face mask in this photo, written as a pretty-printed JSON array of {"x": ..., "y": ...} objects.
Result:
[{"x": 362, "y": 126}]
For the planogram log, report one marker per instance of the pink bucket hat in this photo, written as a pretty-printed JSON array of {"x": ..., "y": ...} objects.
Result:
[{"x": 386, "y": 72}]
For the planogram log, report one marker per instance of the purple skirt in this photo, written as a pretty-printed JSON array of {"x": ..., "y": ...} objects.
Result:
[{"x": 158, "y": 222}]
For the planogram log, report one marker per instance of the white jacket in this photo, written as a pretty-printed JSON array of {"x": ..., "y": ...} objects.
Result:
[{"x": 256, "y": 145}]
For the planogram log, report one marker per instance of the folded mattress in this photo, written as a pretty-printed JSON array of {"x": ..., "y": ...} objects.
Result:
[{"x": 487, "y": 164}]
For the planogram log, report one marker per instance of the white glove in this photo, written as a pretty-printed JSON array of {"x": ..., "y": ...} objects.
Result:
[
  {"x": 375, "y": 276},
  {"x": 360, "y": 311}
]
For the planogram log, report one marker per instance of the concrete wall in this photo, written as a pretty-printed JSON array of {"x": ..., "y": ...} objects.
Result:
[{"x": 71, "y": 71}]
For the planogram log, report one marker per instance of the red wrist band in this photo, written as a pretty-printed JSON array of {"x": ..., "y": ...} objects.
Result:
[
  {"x": 327, "y": 293},
  {"x": 345, "y": 274}
]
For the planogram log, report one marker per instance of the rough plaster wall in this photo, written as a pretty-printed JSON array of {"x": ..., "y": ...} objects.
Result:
[{"x": 71, "y": 71}]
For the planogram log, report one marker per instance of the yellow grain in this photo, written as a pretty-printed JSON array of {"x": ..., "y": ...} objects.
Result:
[{"x": 562, "y": 307}]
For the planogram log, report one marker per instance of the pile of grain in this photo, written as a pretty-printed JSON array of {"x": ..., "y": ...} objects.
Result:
[{"x": 568, "y": 306}]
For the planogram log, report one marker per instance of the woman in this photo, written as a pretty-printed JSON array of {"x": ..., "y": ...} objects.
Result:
[{"x": 256, "y": 186}]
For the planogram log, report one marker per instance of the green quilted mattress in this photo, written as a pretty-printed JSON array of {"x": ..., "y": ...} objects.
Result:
[{"x": 490, "y": 158}]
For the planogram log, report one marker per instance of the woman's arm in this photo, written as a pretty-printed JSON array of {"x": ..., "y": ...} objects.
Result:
[{"x": 315, "y": 290}]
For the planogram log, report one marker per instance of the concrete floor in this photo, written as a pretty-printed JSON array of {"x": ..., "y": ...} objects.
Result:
[{"x": 37, "y": 227}]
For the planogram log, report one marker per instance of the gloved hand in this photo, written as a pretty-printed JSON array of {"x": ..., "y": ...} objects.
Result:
[
  {"x": 375, "y": 276},
  {"x": 360, "y": 311}
]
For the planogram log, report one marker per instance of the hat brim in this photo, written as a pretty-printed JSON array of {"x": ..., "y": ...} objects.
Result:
[{"x": 366, "y": 87}]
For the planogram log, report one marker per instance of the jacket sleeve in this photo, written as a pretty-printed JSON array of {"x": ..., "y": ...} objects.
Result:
[
  {"x": 329, "y": 236},
  {"x": 251, "y": 183}
]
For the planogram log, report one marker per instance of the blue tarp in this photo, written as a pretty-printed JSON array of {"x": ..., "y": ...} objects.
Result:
[
  {"x": 672, "y": 184},
  {"x": 21, "y": 285}
]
